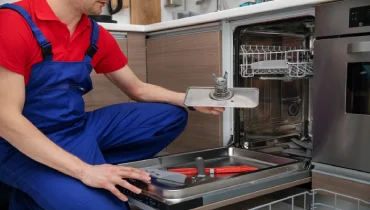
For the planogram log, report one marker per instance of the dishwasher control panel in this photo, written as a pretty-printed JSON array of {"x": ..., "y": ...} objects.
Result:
[{"x": 359, "y": 17}]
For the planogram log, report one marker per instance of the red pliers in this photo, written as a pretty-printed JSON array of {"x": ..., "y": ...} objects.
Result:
[{"x": 218, "y": 170}]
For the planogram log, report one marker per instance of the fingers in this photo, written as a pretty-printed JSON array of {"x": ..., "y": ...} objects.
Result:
[
  {"x": 132, "y": 173},
  {"x": 219, "y": 109},
  {"x": 127, "y": 185},
  {"x": 117, "y": 193}
]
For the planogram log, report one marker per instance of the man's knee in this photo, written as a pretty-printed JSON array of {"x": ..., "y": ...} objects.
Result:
[{"x": 180, "y": 114}]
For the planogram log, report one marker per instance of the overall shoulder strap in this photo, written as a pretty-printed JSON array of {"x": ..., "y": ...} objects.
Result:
[
  {"x": 45, "y": 45},
  {"x": 93, "y": 41}
]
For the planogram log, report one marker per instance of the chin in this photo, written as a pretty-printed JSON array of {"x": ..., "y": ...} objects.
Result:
[{"x": 95, "y": 12}]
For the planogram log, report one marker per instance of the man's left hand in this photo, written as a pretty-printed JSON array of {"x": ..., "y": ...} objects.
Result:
[{"x": 210, "y": 110}]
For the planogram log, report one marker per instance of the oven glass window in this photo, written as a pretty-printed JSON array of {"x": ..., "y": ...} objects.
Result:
[{"x": 358, "y": 88}]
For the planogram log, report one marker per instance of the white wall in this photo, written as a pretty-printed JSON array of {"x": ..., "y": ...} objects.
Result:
[
  {"x": 123, "y": 17},
  {"x": 7, "y": 1},
  {"x": 207, "y": 7}
]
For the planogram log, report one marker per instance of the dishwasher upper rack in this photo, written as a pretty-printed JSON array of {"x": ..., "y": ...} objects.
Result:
[
  {"x": 264, "y": 60},
  {"x": 312, "y": 202}
]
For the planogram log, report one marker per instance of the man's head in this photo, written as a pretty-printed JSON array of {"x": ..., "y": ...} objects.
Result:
[{"x": 90, "y": 7}]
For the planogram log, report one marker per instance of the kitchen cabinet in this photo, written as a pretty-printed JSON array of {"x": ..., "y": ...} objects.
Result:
[
  {"x": 178, "y": 62},
  {"x": 105, "y": 92},
  {"x": 341, "y": 185}
]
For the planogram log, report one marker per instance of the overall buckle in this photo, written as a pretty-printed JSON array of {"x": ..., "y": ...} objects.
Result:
[
  {"x": 46, "y": 49},
  {"x": 92, "y": 50}
]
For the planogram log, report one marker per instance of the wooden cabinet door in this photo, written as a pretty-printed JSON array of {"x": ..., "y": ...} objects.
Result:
[
  {"x": 179, "y": 62},
  {"x": 105, "y": 92}
]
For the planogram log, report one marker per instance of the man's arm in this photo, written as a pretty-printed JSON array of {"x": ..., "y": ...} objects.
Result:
[
  {"x": 137, "y": 90},
  {"x": 24, "y": 136}
]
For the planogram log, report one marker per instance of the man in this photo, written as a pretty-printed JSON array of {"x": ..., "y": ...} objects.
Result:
[{"x": 53, "y": 153}]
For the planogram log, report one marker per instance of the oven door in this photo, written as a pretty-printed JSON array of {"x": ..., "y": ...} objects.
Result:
[{"x": 341, "y": 102}]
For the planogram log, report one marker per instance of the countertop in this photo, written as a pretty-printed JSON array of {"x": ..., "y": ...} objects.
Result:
[{"x": 214, "y": 16}]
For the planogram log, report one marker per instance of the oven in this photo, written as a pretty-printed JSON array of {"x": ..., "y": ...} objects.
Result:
[{"x": 341, "y": 106}]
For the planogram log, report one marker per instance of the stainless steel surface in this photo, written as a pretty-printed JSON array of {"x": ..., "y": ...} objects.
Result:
[
  {"x": 359, "y": 47},
  {"x": 270, "y": 167},
  {"x": 221, "y": 91},
  {"x": 344, "y": 136},
  {"x": 256, "y": 193},
  {"x": 333, "y": 18},
  {"x": 318, "y": 199},
  {"x": 343, "y": 173},
  {"x": 243, "y": 97},
  {"x": 199, "y": 162}
]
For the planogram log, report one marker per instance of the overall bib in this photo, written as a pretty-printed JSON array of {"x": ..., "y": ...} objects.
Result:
[{"x": 113, "y": 134}]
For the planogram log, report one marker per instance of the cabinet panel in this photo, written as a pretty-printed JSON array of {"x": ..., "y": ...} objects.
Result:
[
  {"x": 105, "y": 92},
  {"x": 137, "y": 54},
  {"x": 179, "y": 62},
  {"x": 155, "y": 62},
  {"x": 340, "y": 185}
]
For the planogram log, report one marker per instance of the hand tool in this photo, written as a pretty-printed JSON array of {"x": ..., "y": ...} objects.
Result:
[{"x": 217, "y": 170}]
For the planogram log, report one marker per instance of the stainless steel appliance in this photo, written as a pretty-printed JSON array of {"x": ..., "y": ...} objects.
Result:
[
  {"x": 342, "y": 85},
  {"x": 275, "y": 57},
  {"x": 298, "y": 80}
]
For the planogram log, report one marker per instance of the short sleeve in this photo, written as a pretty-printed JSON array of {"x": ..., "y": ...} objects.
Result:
[
  {"x": 110, "y": 55},
  {"x": 15, "y": 41}
]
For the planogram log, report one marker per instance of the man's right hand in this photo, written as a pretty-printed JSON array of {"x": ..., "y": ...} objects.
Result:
[{"x": 108, "y": 176}]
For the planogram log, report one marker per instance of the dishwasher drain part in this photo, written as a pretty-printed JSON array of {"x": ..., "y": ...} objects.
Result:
[{"x": 222, "y": 96}]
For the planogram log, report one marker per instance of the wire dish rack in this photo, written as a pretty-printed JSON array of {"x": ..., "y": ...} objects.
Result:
[
  {"x": 264, "y": 60},
  {"x": 317, "y": 199}
]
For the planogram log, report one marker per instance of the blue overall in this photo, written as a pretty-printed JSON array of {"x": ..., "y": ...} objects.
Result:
[{"x": 113, "y": 134}]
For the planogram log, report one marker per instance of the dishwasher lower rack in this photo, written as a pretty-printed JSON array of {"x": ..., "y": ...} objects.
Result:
[{"x": 317, "y": 199}]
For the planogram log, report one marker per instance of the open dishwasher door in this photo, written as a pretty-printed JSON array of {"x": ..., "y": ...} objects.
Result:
[
  {"x": 214, "y": 190},
  {"x": 271, "y": 56}
]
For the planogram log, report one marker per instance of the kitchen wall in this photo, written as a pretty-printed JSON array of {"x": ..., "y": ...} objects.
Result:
[
  {"x": 123, "y": 17},
  {"x": 190, "y": 5},
  {"x": 7, "y": 1}
]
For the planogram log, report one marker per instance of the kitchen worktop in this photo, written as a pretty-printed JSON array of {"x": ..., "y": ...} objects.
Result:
[{"x": 214, "y": 16}]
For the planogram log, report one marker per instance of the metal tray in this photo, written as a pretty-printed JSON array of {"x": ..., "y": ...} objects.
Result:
[{"x": 269, "y": 166}]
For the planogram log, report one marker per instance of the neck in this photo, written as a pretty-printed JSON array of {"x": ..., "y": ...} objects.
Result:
[{"x": 67, "y": 12}]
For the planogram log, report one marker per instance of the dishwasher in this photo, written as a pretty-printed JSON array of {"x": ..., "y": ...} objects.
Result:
[{"x": 275, "y": 55}]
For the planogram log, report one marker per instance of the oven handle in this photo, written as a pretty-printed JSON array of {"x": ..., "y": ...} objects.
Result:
[{"x": 358, "y": 47}]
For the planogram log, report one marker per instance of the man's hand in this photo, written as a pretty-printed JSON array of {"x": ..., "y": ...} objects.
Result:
[
  {"x": 108, "y": 176},
  {"x": 210, "y": 110}
]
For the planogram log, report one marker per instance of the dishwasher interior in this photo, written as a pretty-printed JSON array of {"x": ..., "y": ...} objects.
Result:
[{"x": 277, "y": 58}]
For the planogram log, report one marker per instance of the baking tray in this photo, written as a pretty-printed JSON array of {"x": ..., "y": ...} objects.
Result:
[{"x": 269, "y": 166}]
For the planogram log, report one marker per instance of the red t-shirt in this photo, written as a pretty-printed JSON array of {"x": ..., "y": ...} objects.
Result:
[{"x": 19, "y": 50}]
